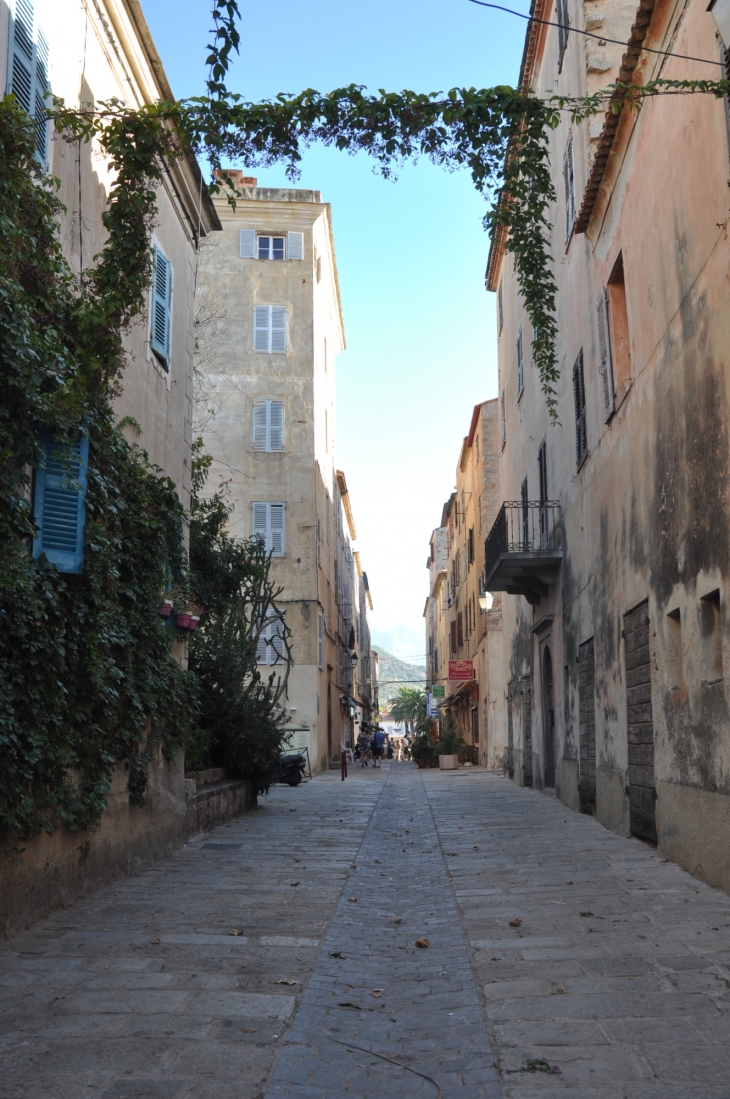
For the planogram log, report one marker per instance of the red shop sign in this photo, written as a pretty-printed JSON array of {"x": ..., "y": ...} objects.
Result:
[{"x": 461, "y": 669}]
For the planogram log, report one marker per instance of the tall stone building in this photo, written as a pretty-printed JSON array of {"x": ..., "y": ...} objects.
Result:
[
  {"x": 612, "y": 543},
  {"x": 462, "y": 621},
  {"x": 270, "y": 286}
]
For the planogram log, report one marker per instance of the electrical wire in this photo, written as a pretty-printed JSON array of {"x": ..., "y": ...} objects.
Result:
[{"x": 589, "y": 34}]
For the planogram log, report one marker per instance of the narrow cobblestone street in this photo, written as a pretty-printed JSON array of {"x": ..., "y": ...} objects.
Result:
[{"x": 277, "y": 957}]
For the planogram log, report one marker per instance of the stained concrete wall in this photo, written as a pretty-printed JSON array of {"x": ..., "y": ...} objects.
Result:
[{"x": 645, "y": 517}]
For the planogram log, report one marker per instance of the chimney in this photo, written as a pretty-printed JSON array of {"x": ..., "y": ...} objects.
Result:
[{"x": 237, "y": 176}]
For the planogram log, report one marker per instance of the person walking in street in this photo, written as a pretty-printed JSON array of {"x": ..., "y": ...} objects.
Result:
[
  {"x": 378, "y": 746},
  {"x": 363, "y": 748}
]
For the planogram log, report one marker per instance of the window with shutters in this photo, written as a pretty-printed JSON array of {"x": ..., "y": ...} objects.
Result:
[
  {"x": 268, "y": 524},
  {"x": 59, "y": 503},
  {"x": 460, "y": 629},
  {"x": 269, "y": 329},
  {"x": 542, "y": 475},
  {"x": 579, "y": 398},
  {"x": 320, "y": 640},
  {"x": 520, "y": 366},
  {"x": 569, "y": 189},
  {"x": 471, "y": 545},
  {"x": 612, "y": 313},
  {"x": 479, "y": 512},
  {"x": 28, "y": 69},
  {"x": 270, "y": 246},
  {"x": 270, "y": 647},
  {"x": 504, "y": 419},
  {"x": 161, "y": 308},
  {"x": 453, "y": 639},
  {"x": 268, "y": 426},
  {"x": 563, "y": 21}
]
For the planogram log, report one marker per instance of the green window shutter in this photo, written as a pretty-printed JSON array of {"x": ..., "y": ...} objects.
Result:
[
  {"x": 59, "y": 504},
  {"x": 161, "y": 307}
]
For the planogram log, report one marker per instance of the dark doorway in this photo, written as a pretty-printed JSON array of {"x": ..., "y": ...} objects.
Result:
[
  {"x": 587, "y": 727},
  {"x": 527, "y": 730},
  {"x": 548, "y": 716},
  {"x": 329, "y": 721},
  {"x": 640, "y": 724},
  {"x": 510, "y": 735}
]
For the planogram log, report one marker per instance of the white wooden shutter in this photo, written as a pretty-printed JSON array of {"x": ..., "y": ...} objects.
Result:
[
  {"x": 520, "y": 364},
  {"x": 277, "y": 649},
  {"x": 277, "y": 529},
  {"x": 262, "y": 328},
  {"x": 295, "y": 245},
  {"x": 247, "y": 243},
  {"x": 161, "y": 301},
  {"x": 259, "y": 526},
  {"x": 262, "y": 646},
  {"x": 278, "y": 329},
  {"x": 276, "y": 425},
  {"x": 260, "y": 433},
  {"x": 569, "y": 184},
  {"x": 605, "y": 364},
  {"x": 320, "y": 641}
]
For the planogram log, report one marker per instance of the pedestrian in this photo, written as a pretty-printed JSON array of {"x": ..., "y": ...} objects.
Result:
[
  {"x": 363, "y": 748},
  {"x": 377, "y": 746}
]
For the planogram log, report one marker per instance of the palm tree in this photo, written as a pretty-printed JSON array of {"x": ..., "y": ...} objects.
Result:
[{"x": 409, "y": 706}]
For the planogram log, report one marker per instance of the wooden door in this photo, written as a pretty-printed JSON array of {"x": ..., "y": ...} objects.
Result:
[{"x": 640, "y": 723}]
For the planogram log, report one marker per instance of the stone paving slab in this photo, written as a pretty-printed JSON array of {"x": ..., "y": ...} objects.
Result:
[
  {"x": 636, "y": 1002},
  {"x": 374, "y": 995}
]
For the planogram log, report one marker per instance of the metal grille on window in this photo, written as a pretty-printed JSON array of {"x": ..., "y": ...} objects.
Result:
[{"x": 579, "y": 397}]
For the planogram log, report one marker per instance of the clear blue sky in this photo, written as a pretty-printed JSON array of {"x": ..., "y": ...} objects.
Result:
[{"x": 421, "y": 338}]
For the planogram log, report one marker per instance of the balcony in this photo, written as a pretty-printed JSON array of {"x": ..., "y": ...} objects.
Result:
[{"x": 524, "y": 549}]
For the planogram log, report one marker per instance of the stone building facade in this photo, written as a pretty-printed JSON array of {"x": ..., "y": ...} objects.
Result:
[
  {"x": 612, "y": 545},
  {"x": 270, "y": 279},
  {"x": 462, "y": 622}
]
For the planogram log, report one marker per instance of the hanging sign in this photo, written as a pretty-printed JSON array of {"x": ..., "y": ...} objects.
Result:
[
  {"x": 461, "y": 669},
  {"x": 438, "y": 690}
]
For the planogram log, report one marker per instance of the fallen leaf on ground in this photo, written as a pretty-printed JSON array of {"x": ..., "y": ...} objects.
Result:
[
  {"x": 377, "y": 993},
  {"x": 248, "y": 1030},
  {"x": 292, "y": 810},
  {"x": 515, "y": 923},
  {"x": 293, "y": 883},
  {"x": 586, "y": 913},
  {"x": 156, "y": 940},
  {"x": 337, "y": 954},
  {"x": 590, "y": 929},
  {"x": 353, "y": 866},
  {"x": 296, "y": 859},
  {"x": 476, "y": 847},
  {"x": 352, "y": 899},
  {"x": 233, "y": 931},
  {"x": 423, "y": 943},
  {"x": 347, "y": 1003},
  {"x": 587, "y": 848},
  {"x": 397, "y": 919},
  {"x": 377, "y": 860},
  {"x": 286, "y": 981}
]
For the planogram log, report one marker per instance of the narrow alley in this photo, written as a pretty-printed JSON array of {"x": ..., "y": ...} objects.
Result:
[{"x": 278, "y": 956}]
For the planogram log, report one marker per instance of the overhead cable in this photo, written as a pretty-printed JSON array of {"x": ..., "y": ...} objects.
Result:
[{"x": 589, "y": 34}]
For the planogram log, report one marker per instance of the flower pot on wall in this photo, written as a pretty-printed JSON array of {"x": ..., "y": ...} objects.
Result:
[
  {"x": 166, "y": 608},
  {"x": 194, "y": 619},
  {"x": 448, "y": 763},
  {"x": 182, "y": 620}
]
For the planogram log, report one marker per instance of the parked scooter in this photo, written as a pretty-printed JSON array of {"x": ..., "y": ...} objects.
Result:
[{"x": 292, "y": 768}]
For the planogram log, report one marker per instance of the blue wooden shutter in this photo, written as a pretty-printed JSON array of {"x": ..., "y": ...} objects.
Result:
[
  {"x": 21, "y": 68},
  {"x": 161, "y": 302},
  {"x": 59, "y": 506}
]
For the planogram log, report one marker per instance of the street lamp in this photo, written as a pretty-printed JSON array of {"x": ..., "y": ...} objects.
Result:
[
  {"x": 485, "y": 600},
  {"x": 353, "y": 660}
]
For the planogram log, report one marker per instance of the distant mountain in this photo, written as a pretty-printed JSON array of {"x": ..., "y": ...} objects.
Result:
[{"x": 391, "y": 669}]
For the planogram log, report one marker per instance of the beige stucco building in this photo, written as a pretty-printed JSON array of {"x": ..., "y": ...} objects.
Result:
[
  {"x": 277, "y": 328},
  {"x": 612, "y": 548},
  {"x": 86, "y": 52},
  {"x": 461, "y": 624}
]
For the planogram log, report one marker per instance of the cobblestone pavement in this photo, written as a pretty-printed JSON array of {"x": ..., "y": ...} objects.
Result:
[
  {"x": 619, "y": 971},
  {"x": 614, "y": 984}
]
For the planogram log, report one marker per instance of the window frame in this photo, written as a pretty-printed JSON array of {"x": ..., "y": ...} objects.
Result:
[
  {"x": 268, "y": 405},
  {"x": 580, "y": 408},
  {"x": 270, "y": 329},
  {"x": 267, "y": 534},
  {"x": 161, "y": 349}
]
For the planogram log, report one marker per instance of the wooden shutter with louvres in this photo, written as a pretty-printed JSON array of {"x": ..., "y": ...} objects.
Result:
[
  {"x": 28, "y": 70},
  {"x": 295, "y": 245},
  {"x": 39, "y": 97},
  {"x": 605, "y": 363},
  {"x": 247, "y": 243},
  {"x": 59, "y": 504},
  {"x": 260, "y": 425},
  {"x": 277, "y": 651},
  {"x": 520, "y": 365},
  {"x": 320, "y": 641},
  {"x": 262, "y": 645},
  {"x": 278, "y": 330},
  {"x": 260, "y": 526},
  {"x": 262, "y": 328},
  {"x": 579, "y": 397},
  {"x": 161, "y": 301},
  {"x": 276, "y": 522},
  {"x": 276, "y": 425}
]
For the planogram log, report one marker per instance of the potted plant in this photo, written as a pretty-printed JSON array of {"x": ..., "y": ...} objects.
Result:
[
  {"x": 166, "y": 607},
  {"x": 449, "y": 744},
  {"x": 194, "y": 616},
  {"x": 421, "y": 750}
]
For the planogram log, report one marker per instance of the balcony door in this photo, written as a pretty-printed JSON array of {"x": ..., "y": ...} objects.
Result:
[{"x": 548, "y": 715}]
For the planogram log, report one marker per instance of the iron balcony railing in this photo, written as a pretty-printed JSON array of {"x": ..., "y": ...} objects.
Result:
[{"x": 523, "y": 526}]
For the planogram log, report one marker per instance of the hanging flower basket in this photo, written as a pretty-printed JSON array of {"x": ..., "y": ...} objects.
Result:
[
  {"x": 166, "y": 608},
  {"x": 182, "y": 620},
  {"x": 194, "y": 619}
]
